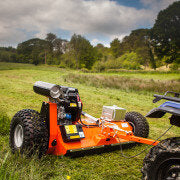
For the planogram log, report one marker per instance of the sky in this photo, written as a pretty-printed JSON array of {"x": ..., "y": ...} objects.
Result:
[{"x": 99, "y": 21}]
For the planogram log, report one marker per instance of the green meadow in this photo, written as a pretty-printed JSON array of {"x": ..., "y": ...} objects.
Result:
[{"x": 132, "y": 90}]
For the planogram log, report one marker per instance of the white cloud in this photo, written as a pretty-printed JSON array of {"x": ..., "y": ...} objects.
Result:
[
  {"x": 94, "y": 42},
  {"x": 18, "y": 18},
  {"x": 120, "y": 36}
]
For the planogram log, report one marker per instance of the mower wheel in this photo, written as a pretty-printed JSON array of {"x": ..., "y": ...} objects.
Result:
[
  {"x": 163, "y": 161},
  {"x": 139, "y": 124},
  {"x": 28, "y": 133}
]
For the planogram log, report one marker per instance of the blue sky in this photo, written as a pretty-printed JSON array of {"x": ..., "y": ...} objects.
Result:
[
  {"x": 131, "y": 3},
  {"x": 100, "y": 21}
]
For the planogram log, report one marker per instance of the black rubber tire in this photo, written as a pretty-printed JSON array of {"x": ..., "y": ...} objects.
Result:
[
  {"x": 35, "y": 133},
  {"x": 163, "y": 161},
  {"x": 139, "y": 124}
]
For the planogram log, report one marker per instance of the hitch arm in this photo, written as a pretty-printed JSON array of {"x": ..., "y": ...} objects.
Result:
[
  {"x": 128, "y": 135},
  {"x": 131, "y": 137}
]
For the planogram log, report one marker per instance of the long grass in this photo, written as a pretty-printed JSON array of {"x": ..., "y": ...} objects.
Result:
[
  {"x": 125, "y": 83},
  {"x": 16, "y": 93},
  {"x": 4, "y": 123}
]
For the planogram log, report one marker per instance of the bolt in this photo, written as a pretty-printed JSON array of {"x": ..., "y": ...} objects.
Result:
[{"x": 173, "y": 175}]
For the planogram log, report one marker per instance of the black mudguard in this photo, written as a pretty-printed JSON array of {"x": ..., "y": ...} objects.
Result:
[{"x": 161, "y": 111}]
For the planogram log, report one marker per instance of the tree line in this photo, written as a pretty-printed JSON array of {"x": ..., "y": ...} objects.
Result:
[{"x": 142, "y": 48}]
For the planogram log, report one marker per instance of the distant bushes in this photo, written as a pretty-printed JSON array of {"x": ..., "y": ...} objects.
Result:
[
  {"x": 125, "y": 83},
  {"x": 8, "y": 54},
  {"x": 128, "y": 61}
]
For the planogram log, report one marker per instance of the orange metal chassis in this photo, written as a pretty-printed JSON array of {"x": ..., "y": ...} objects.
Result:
[{"x": 94, "y": 136}]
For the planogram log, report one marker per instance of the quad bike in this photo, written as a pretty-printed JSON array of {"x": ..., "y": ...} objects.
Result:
[
  {"x": 62, "y": 127},
  {"x": 163, "y": 160}
]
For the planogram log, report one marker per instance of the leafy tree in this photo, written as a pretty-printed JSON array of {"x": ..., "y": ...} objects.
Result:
[
  {"x": 99, "y": 66},
  {"x": 126, "y": 61},
  {"x": 99, "y": 46},
  {"x": 83, "y": 51},
  {"x": 139, "y": 41},
  {"x": 75, "y": 45},
  {"x": 151, "y": 55},
  {"x": 29, "y": 51},
  {"x": 103, "y": 53},
  {"x": 100, "y": 51},
  {"x": 115, "y": 47},
  {"x": 50, "y": 38},
  {"x": 8, "y": 54},
  {"x": 35, "y": 57},
  {"x": 165, "y": 34},
  {"x": 129, "y": 61},
  {"x": 136, "y": 39},
  {"x": 68, "y": 60},
  {"x": 58, "y": 45}
]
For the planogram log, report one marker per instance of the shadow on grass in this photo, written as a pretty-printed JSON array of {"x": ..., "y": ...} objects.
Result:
[{"x": 100, "y": 150}]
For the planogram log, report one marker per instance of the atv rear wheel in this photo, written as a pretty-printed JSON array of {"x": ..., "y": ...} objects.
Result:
[
  {"x": 28, "y": 133},
  {"x": 139, "y": 124},
  {"x": 163, "y": 161}
]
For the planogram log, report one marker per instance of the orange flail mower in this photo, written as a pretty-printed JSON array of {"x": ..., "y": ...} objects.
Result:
[
  {"x": 59, "y": 129},
  {"x": 62, "y": 127}
]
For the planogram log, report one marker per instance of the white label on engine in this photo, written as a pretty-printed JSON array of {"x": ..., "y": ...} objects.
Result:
[
  {"x": 81, "y": 134},
  {"x": 124, "y": 125}
]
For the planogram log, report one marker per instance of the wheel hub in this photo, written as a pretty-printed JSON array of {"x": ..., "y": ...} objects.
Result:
[
  {"x": 18, "y": 136},
  {"x": 133, "y": 126},
  {"x": 173, "y": 173}
]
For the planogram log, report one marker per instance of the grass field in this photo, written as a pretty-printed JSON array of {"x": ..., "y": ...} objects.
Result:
[{"x": 96, "y": 90}]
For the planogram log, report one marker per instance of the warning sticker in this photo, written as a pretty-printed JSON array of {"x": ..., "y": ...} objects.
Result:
[
  {"x": 71, "y": 129},
  {"x": 124, "y": 125},
  {"x": 73, "y": 105}
]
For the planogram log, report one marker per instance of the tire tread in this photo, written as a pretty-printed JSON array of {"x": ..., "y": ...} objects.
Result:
[{"x": 35, "y": 132}]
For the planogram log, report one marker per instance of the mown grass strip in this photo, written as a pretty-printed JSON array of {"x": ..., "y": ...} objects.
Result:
[{"x": 16, "y": 93}]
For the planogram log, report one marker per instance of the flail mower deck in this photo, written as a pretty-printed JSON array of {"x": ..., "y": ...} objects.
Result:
[
  {"x": 59, "y": 129},
  {"x": 62, "y": 127},
  {"x": 86, "y": 134}
]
